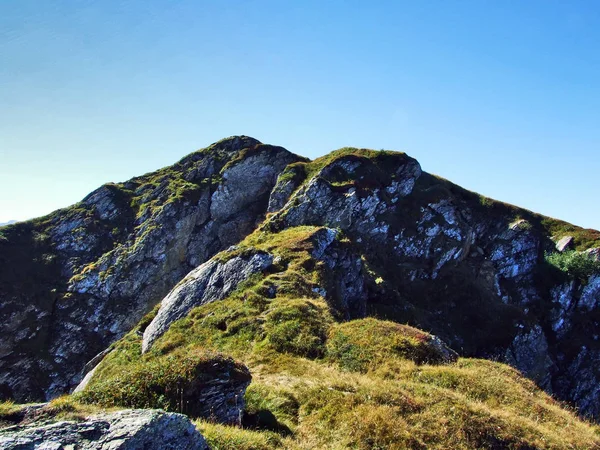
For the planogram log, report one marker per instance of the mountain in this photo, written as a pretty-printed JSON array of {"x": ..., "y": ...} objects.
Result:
[
  {"x": 353, "y": 301},
  {"x": 10, "y": 222}
]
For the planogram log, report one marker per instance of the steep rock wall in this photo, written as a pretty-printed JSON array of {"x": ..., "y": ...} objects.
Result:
[
  {"x": 75, "y": 281},
  {"x": 465, "y": 268}
]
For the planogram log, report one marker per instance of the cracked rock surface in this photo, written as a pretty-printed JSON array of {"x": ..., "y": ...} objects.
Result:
[{"x": 122, "y": 430}]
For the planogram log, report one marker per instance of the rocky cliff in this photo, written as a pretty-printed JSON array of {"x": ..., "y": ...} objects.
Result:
[
  {"x": 236, "y": 242},
  {"x": 469, "y": 269},
  {"x": 77, "y": 280}
]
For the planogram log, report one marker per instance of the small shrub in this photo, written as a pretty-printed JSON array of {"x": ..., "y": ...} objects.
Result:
[
  {"x": 8, "y": 410},
  {"x": 63, "y": 404},
  {"x": 294, "y": 172},
  {"x": 575, "y": 264}
]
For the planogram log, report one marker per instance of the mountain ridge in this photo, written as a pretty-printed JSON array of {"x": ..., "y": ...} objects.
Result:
[{"x": 388, "y": 241}]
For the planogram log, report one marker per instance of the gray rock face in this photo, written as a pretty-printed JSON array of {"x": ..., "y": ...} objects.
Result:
[
  {"x": 211, "y": 281},
  {"x": 220, "y": 397},
  {"x": 529, "y": 352},
  {"x": 565, "y": 243},
  {"x": 345, "y": 288},
  {"x": 446, "y": 257},
  {"x": 320, "y": 203},
  {"x": 280, "y": 195},
  {"x": 122, "y": 430},
  {"x": 79, "y": 279},
  {"x": 577, "y": 355},
  {"x": 581, "y": 382},
  {"x": 286, "y": 184},
  {"x": 515, "y": 252}
]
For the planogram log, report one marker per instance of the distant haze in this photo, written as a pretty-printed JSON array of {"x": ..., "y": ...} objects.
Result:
[{"x": 7, "y": 223}]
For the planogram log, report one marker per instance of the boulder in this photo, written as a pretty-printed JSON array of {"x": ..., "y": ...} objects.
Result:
[
  {"x": 122, "y": 430},
  {"x": 565, "y": 243}
]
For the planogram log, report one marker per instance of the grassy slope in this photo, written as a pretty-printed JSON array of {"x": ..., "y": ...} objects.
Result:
[{"x": 312, "y": 389}]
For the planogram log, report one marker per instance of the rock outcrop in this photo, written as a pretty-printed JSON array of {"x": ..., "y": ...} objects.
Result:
[
  {"x": 468, "y": 269},
  {"x": 122, "y": 430},
  {"x": 344, "y": 284},
  {"x": 209, "y": 282}
]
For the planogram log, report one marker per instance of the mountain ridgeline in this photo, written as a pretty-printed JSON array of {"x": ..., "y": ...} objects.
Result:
[{"x": 343, "y": 302}]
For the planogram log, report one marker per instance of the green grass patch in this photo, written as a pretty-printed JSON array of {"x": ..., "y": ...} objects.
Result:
[
  {"x": 359, "y": 345},
  {"x": 584, "y": 238},
  {"x": 298, "y": 326},
  {"x": 223, "y": 437},
  {"x": 575, "y": 264},
  {"x": 9, "y": 411}
]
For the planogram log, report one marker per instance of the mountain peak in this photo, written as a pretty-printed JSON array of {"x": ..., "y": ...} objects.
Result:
[
  {"x": 147, "y": 289},
  {"x": 236, "y": 143}
]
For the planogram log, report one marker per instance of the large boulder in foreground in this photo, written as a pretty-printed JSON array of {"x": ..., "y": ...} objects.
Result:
[{"x": 122, "y": 430}]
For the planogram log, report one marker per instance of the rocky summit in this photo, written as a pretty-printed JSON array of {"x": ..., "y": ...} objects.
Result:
[{"x": 353, "y": 301}]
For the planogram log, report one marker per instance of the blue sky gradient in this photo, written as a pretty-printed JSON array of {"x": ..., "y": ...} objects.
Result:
[{"x": 501, "y": 97}]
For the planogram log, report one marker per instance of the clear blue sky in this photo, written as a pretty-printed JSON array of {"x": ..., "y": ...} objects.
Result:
[{"x": 502, "y": 97}]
